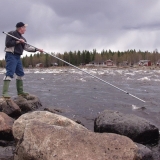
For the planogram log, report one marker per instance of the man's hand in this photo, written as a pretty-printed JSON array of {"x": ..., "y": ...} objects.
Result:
[
  {"x": 20, "y": 41},
  {"x": 40, "y": 50}
]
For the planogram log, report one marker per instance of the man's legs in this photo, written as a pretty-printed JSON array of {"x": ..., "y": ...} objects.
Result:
[
  {"x": 10, "y": 70},
  {"x": 19, "y": 81}
]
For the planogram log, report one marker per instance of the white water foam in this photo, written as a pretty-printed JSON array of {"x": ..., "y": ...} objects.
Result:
[
  {"x": 83, "y": 80},
  {"x": 156, "y": 80},
  {"x": 144, "y": 79},
  {"x": 132, "y": 74},
  {"x": 128, "y": 78},
  {"x": 101, "y": 73},
  {"x": 119, "y": 71}
]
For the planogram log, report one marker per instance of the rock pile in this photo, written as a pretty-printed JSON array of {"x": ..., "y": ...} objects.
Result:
[{"x": 46, "y": 135}]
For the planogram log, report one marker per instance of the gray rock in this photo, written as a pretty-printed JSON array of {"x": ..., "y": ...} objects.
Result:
[
  {"x": 44, "y": 135},
  {"x": 132, "y": 126},
  {"x": 6, "y": 153},
  {"x": 53, "y": 110},
  {"x": 6, "y": 124},
  {"x": 144, "y": 153},
  {"x": 5, "y": 143},
  {"x": 9, "y": 107},
  {"x": 28, "y": 103}
]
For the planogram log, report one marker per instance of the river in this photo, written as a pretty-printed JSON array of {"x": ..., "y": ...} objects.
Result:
[{"x": 83, "y": 98}]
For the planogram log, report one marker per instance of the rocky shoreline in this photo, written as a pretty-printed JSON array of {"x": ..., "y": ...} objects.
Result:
[{"x": 27, "y": 132}]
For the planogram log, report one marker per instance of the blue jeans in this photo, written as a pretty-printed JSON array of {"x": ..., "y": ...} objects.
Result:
[{"x": 13, "y": 65}]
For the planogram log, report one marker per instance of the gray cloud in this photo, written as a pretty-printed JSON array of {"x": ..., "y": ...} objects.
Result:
[{"x": 60, "y": 25}]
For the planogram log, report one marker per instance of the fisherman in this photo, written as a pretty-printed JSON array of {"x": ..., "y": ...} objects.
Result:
[{"x": 14, "y": 49}]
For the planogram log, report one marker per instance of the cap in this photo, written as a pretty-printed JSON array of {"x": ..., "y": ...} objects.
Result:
[{"x": 21, "y": 24}]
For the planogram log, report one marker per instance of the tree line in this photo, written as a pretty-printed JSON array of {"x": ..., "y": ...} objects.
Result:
[{"x": 84, "y": 57}]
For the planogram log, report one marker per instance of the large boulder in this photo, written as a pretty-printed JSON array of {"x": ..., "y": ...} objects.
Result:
[
  {"x": 44, "y": 135},
  {"x": 9, "y": 107},
  {"x": 132, "y": 126},
  {"x": 6, "y": 124},
  {"x": 28, "y": 103},
  {"x": 44, "y": 117}
]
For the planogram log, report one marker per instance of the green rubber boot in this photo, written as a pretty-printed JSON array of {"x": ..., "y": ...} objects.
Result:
[
  {"x": 5, "y": 89},
  {"x": 19, "y": 84}
]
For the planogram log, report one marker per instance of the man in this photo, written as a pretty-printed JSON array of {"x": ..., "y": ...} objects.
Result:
[{"x": 14, "y": 50}]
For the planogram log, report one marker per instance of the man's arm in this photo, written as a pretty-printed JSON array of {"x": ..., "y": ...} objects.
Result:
[
  {"x": 10, "y": 42},
  {"x": 31, "y": 49}
]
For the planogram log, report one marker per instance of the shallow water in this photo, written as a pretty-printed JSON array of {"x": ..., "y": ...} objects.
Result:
[{"x": 82, "y": 97}]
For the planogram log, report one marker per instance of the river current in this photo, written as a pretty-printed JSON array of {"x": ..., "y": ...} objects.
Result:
[{"x": 83, "y": 98}]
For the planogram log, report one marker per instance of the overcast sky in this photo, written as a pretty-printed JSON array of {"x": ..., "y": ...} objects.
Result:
[{"x": 64, "y": 25}]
